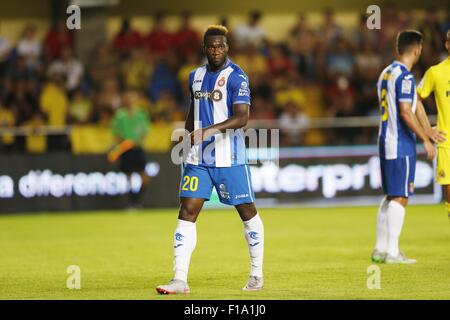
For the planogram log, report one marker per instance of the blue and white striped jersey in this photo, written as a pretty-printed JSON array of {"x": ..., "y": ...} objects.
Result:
[
  {"x": 395, "y": 84},
  {"x": 213, "y": 95}
]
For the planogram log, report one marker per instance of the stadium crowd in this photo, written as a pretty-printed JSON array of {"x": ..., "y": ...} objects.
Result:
[{"x": 319, "y": 71}]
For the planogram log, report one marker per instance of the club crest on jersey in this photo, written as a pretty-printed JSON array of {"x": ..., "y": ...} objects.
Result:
[
  {"x": 221, "y": 82},
  {"x": 442, "y": 174},
  {"x": 215, "y": 95}
]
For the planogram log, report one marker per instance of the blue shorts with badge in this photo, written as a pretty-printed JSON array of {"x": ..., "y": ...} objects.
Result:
[
  {"x": 397, "y": 176},
  {"x": 233, "y": 184}
]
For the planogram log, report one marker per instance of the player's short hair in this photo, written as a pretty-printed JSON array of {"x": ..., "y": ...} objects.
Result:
[
  {"x": 215, "y": 30},
  {"x": 408, "y": 38}
]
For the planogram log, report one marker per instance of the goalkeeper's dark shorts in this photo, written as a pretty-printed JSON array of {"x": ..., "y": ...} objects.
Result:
[{"x": 133, "y": 160}]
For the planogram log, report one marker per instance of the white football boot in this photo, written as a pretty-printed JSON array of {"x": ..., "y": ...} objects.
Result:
[
  {"x": 254, "y": 284},
  {"x": 400, "y": 259},
  {"x": 173, "y": 287}
]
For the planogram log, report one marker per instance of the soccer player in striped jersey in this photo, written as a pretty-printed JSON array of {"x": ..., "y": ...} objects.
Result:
[
  {"x": 401, "y": 121},
  {"x": 437, "y": 80},
  {"x": 220, "y": 104}
]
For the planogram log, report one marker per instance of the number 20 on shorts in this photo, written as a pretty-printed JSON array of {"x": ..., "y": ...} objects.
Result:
[{"x": 190, "y": 183}]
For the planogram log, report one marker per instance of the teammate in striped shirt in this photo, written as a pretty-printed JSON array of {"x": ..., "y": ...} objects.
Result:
[
  {"x": 220, "y": 103},
  {"x": 402, "y": 119}
]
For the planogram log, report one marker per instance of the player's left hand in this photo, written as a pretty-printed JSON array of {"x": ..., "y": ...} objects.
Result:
[
  {"x": 437, "y": 135},
  {"x": 203, "y": 134}
]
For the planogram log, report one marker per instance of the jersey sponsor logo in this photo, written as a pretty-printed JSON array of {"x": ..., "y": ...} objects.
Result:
[
  {"x": 406, "y": 86},
  {"x": 243, "y": 90},
  {"x": 241, "y": 196},
  {"x": 221, "y": 82},
  {"x": 215, "y": 95}
]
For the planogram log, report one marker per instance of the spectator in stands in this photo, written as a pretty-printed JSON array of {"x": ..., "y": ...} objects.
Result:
[
  {"x": 80, "y": 108},
  {"x": 341, "y": 103},
  {"x": 340, "y": 98},
  {"x": 30, "y": 48},
  {"x": 24, "y": 101},
  {"x": 137, "y": 69},
  {"x": 252, "y": 61},
  {"x": 127, "y": 39},
  {"x": 5, "y": 52},
  {"x": 368, "y": 65},
  {"x": 302, "y": 44},
  {"x": 431, "y": 30},
  {"x": 278, "y": 61},
  {"x": 330, "y": 30},
  {"x": 109, "y": 97},
  {"x": 159, "y": 40},
  {"x": 57, "y": 38},
  {"x": 339, "y": 60},
  {"x": 18, "y": 69},
  {"x": 292, "y": 123},
  {"x": 261, "y": 109},
  {"x": 187, "y": 39},
  {"x": 70, "y": 67},
  {"x": 164, "y": 78},
  {"x": 103, "y": 66},
  {"x": 166, "y": 109},
  {"x": 250, "y": 33},
  {"x": 35, "y": 142},
  {"x": 7, "y": 120},
  {"x": 445, "y": 25},
  {"x": 54, "y": 104},
  {"x": 362, "y": 35},
  {"x": 185, "y": 69},
  {"x": 392, "y": 24}
]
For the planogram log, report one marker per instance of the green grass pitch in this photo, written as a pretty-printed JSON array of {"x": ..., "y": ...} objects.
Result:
[{"x": 309, "y": 254}]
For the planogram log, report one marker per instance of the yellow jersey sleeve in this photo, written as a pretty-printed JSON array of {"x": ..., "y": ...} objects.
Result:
[{"x": 426, "y": 85}]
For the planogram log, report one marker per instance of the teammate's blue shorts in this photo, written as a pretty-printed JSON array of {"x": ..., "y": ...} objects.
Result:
[
  {"x": 397, "y": 176},
  {"x": 233, "y": 184}
]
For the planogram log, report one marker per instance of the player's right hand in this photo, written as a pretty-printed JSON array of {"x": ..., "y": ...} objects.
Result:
[
  {"x": 437, "y": 135},
  {"x": 429, "y": 149}
]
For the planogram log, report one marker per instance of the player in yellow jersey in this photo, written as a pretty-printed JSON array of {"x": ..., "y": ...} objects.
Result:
[{"x": 437, "y": 80}]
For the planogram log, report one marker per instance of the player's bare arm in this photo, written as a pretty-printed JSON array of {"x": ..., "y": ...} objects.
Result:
[
  {"x": 433, "y": 133},
  {"x": 413, "y": 123},
  {"x": 237, "y": 121}
]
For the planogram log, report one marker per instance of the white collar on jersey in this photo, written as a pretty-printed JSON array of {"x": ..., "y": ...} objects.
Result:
[{"x": 401, "y": 63}]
